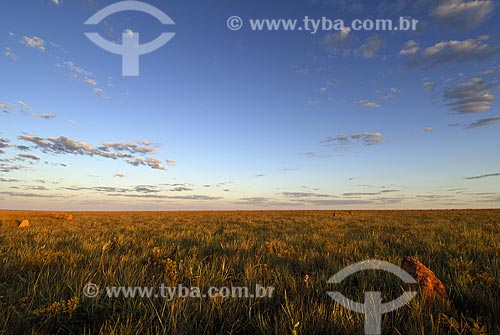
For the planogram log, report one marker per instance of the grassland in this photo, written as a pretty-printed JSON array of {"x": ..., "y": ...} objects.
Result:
[{"x": 43, "y": 269}]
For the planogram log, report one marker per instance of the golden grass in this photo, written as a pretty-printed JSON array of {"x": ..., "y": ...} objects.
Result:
[{"x": 44, "y": 267}]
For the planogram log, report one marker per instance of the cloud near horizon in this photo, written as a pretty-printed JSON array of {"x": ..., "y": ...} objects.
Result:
[
  {"x": 363, "y": 138},
  {"x": 484, "y": 176}
]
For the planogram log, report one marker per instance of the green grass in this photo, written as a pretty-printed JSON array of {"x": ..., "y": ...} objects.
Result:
[{"x": 44, "y": 267}]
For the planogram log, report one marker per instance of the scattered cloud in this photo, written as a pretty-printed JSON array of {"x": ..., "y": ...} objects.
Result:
[
  {"x": 24, "y": 105},
  {"x": 409, "y": 48},
  {"x": 46, "y": 116},
  {"x": 6, "y": 167},
  {"x": 181, "y": 189},
  {"x": 483, "y": 122},
  {"x": 371, "y": 46},
  {"x": 57, "y": 2},
  {"x": 151, "y": 162},
  {"x": 298, "y": 195},
  {"x": 391, "y": 93},
  {"x": 158, "y": 196},
  {"x": 3, "y": 180},
  {"x": 455, "y": 51},
  {"x": 76, "y": 70},
  {"x": 112, "y": 150},
  {"x": 29, "y": 156},
  {"x": 428, "y": 84},
  {"x": 367, "y": 104},
  {"x": 119, "y": 175},
  {"x": 10, "y": 54},
  {"x": 315, "y": 155},
  {"x": 146, "y": 148},
  {"x": 473, "y": 96},
  {"x": 337, "y": 41},
  {"x": 6, "y": 107},
  {"x": 337, "y": 202},
  {"x": 99, "y": 92},
  {"x": 463, "y": 14},
  {"x": 90, "y": 82},
  {"x": 4, "y": 143},
  {"x": 84, "y": 75},
  {"x": 30, "y": 195},
  {"x": 34, "y": 42},
  {"x": 257, "y": 201},
  {"x": 363, "y": 138},
  {"x": 428, "y": 129},
  {"x": 42, "y": 116},
  {"x": 484, "y": 176},
  {"x": 360, "y": 194},
  {"x": 128, "y": 31},
  {"x": 170, "y": 162}
]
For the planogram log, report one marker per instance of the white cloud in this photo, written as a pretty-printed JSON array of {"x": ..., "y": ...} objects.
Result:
[
  {"x": 34, "y": 42},
  {"x": 5, "y": 107},
  {"x": 115, "y": 150},
  {"x": 10, "y": 54},
  {"x": 455, "y": 51},
  {"x": 371, "y": 46},
  {"x": 24, "y": 105},
  {"x": 463, "y": 13},
  {"x": 336, "y": 41},
  {"x": 483, "y": 122},
  {"x": 391, "y": 93},
  {"x": 473, "y": 96},
  {"x": 367, "y": 104},
  {"x": 409, "y": 48},
  {"x": 363, "y": 138},
  {"x": 99, "y": 92},
  {"x": 428, "y": 84},
  {"x": 76, "y": 69},
  {"x": 46, "y": 116},
  {"x": 90, "y": 82}
]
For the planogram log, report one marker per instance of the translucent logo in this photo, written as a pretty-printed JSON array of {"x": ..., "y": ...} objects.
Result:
[
  {"x": 373, "y": 308},
  {"x": 130, "y": 49}
]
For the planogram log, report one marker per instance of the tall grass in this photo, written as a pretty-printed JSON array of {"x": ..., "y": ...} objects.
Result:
[{"x": 43, "y": 269}]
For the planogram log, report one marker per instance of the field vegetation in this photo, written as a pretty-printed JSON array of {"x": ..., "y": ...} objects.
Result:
[{"x": 45, "y": 266}]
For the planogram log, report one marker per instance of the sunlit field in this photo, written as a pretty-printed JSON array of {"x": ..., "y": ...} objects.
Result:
[{"x": 45, "y": 266}]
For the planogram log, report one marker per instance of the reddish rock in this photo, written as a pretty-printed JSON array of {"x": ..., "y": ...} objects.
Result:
[
  {"x": 24, "y": 224},
  {"x": 430, "y": 286}
]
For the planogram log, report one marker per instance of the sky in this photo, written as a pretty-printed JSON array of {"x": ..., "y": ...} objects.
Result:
[{"x": 245, "y": 119}]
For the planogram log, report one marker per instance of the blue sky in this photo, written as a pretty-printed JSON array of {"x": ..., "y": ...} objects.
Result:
[{"x": 222, "y": 119}]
